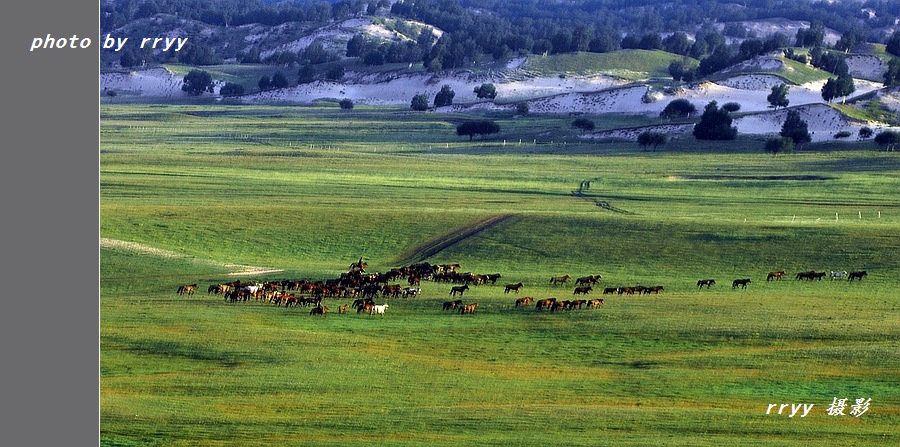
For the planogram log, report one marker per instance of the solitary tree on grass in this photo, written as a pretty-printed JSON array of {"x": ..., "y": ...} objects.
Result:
[
  {"x": 481, "y": 127},
  {"x": 777, "y": 145},
  {"x": 778, "y": 97},
  {"x": 795, "y": 128},
  {"x": 655, "y": 139},
  {"x": 197, "y": 82},
  {"x": 888, "y": 139},
  {"x": 715, "y": 124},
  {"x": 679, "y": 108},
  {"x": 584, "y": 124},
  {"x": 419, "y": 102}
]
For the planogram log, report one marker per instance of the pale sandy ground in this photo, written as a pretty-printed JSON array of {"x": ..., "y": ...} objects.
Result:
[
  {"x": 555, "y": 95},
  {"x": 238, "y": 270}
]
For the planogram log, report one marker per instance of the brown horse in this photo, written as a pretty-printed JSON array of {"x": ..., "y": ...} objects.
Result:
[
  {"x": 319, "y": 310},
  {"x": 705, "y": 282},
  {"x": 557, "y": 280},
  {"x": 583, "y": 290},
  {"x": 187, "y": 290},
  {"x": 544, "y": 304},
  {"x": 524, "y": 301},
  {"x": 452, "y": 304},
  {"x": 776, "y": 276},
  {"x": 588, "y": 280},
  {"x": 468, "y": 308},
  {"x": 595, "y": 303}
]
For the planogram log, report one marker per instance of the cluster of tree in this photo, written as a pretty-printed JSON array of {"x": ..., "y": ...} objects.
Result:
[
  {"x": 374, "y": 52},
  {"x": 196, "y": 82},
  {"x": 715, "y": 124},
  {"x": 477, "y": 127},
  {"x": 278, "y": 80}
]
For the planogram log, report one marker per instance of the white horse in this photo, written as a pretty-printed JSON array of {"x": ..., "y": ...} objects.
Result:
[
  {"x": 379, "y": 309},
  {"x": 838, "y": 275}
]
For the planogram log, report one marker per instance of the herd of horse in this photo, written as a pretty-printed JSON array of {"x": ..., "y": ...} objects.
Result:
[{"x": 366, "y": 287}]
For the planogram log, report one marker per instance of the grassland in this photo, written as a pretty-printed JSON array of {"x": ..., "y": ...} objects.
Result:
[
  {"x": 310, "y": 189},
  {"x": 631, "y": 65}
]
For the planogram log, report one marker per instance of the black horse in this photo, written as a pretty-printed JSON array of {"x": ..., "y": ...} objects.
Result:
[{"x": 705, "y": 282}]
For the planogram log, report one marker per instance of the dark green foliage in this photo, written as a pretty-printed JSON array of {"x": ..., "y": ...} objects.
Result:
[
  {"x": 231, "y": 89},
  {"x": 584, "y": 124},
  {"x": 479, "y": 127},
  {"x": 778, "y": 97},
  {"x": 839, "y": 87},
  {"x": 678, "y": 108},
  {"x": 315, "y": 53},
  {"x": 264, "y": 83},
  {"x": 865, "y": 133},
  {"x": 655, "y": 139},
  {"x": 197, "y": 82},
  {"x": 419, "y": 102},
  {"x": 306, "y": 74},
  {"x": 346, "y": 103},
  {"x": 682, "y": 71},
  {"x": 731, "y": 107},
  {"x": 715, "y": 124},
  {"x": 677, "y": 43},
  {"x": 718, "y": 60},
  {"x": 849, "y": 40},
  {"x": 444, "y": 97},
  {"x": 356, "y": 45},
  {"x": 888, "y": 139},
  {"x": 812, "y": 36},
  {"x": 487, "y": 90},
  {"x": 522, "y": 108},
  {"x": 842, "y": 134},
  {"x": 830, "y": 61},
  {"x": 279, "y": 80},
  {"x": 335, "y": 73},
  {"x": 795, "y": 128},
  {"x": 892, "y": 75},
  {"x": 893, "y": 44},
  {"x": 777, "y": 145}
]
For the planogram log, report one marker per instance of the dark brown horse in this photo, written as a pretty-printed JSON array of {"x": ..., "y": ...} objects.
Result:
[
  {"x": 705, "y": 282},
  {"x": 557, "y": 280},
  {"x": 524, "y": 301},
  {"x": 857, "y": 275},
  {"x": 775, "y": 275},
  {"x": 458, "y": 289},
  {"x": 513, "y": 287},
  {"x": 740, "y": 282}
]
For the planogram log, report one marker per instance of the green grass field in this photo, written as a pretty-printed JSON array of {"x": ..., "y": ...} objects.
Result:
[
  {"x": 631, "y": 65},
  {"x": 308, "y": 190}
]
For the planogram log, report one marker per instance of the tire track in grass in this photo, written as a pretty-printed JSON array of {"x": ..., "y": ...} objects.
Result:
[
  {"x": 444, "y": 241},
  {"x": 238, "y": 269}
]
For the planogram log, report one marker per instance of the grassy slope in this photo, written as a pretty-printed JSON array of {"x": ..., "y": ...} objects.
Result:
[
  {"x": 627, "y": 64},
  {"x": 681, "y": 368}
]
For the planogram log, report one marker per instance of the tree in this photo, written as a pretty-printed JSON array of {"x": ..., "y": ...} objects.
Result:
[
  {"x": 231, "y": 89},
  {"x": 778, "y": 97},
  {"x": 731, "y": 107},
  {"x": 795, "y": 128},
  {"x": 419, "y": 102},
  {"x": 892, "y": 75},
  {"x": 444, "y": 97},
  {"x": 487, "y": 90},
  {"x": 678, "y": 108},
  {"x": 346, "y": 103},
  {"x": 482, "y": 127},
  {"x": 893, "y": 44},
  {"x": 865, "y": 133},
  {"x": 306, "y": 74},
  {"x": 264, "y": 83},
  {"x": 682, "y": 71},
  {"x": 715, "y": 124},
  {"x": 776, "y": 145},
  {"x": 522, "y": 108},
  {"x": 888, "y": 139},
  {"x": 584, "y": 124},
  {"x": 335, "y": 73},
  {"x": 655, "y": 139},
  {"x": 279, "y": 80},
  {"x": 196, "y": 82},
  {"x": 839, "y": 87}
]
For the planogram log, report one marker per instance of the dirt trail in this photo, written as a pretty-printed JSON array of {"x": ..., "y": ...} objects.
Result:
[
  {"x": 440, "y": 243},
  {"x": 240, "y": 270}
]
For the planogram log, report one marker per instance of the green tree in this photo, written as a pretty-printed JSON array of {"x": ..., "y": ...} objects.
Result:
[
  {"x": 346, "y": 104},
  {"x": 231, "y": 89},
  {"x": 893, "y": 44},
  {"x": 584, "y": 124},
  {"x": 865, "y": 133},
  {"x": 419, "y": 102},
  {"x": 778, "y": 97},
  {"x": 795, "y": 128},
  {"x": 731, "y": 107},
  {"x": 715, "y": 124},
  {"x": 196, "y": 82},
  {"x": 777, "y": 145},
  {"x": 279, "y": 80},
  {"x": 839, "y": 87},
  {"x": 487, "y": 90},
  {"x": 888, "y": 139},
  {"x": 678, "y": 108},
  {"x": 892, "y": 75},
  {"x": 522, "y": 108},
  {"x": 480, "y": 127},
  {"x": 264, "y": 83},
  {"x": 444, "y": 97},
  {"x": 335, "y": 73},
  {"x": 649, "y": 138},
  {"x": 306, "y": 74}
]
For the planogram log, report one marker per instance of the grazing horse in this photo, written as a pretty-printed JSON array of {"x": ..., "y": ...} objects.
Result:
[
  {"x": 811, "y": 275},
  {"x": 653, "y": 289},
  {"x": 857, "y": 275},
  {"x": 740, "y": 282},
  {"x": 468, "y": 308},
  {"x": 524, "y": 301},
  {"x": 838, "y": 275},
  {"x": 319, "y": 310},
  {"x": 458, "y": 289},
  {"x": 775, "y": 275},
  {"x": 379, "y": 309},
  {"x": 583, "y": 290},
  {"x": 705, "y": 282},
  {"x": 610, "y": 290},
  {"x": 452, "y": 304},
  {"x": 545, "y": 303},
  {"x": 595, "y": 303},
  {"x": 513, "y": 287},
  {"x": 557, "y": 280},
  {"x": 342, "y": 309},
  {"x": 187, "y": 290}
]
